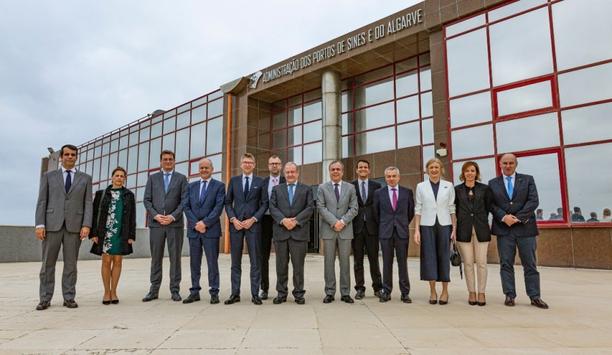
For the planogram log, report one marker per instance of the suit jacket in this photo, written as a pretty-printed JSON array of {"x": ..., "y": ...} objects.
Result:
[
  {"x": 346, "y": 208},
  {"x": 301, "y": 208},
  {"x": 473, "y": 214},
  {"x": 254, "y": 205},
  {"x": 429, "y": 207},
  {"x": 365, "y": 217},
  {"x": 157, "y": 201},
  {"x": 387, "y": 218},
  {"x": 266, "y": 182},
  {"x": 523, "y": 204},
  {"x": 55, "y": 207},
  {"x": 100, "y": 215},
  {"x": 209, "y": 211}
]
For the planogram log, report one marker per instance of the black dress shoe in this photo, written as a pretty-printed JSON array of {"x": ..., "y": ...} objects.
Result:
[
  {"x": 406, "y": 299},
  {"x": 377, "y": 293},
  {"x": 70, "y": 304},
  {"x": 42, "y": 305},
  {"x": 539, "y": 303},
  {"x": 328, "y": 299},
  {"x": 256, "y": 300},
  {"x": 264, "y": 295},
  {"x": 509, "y": 301},
  {"x": 347, "y": 299},
  {"x": 384, "y": 297},
  {"x": 300, "y": 300},
  {"x": 360, "y": 294},
  {"x": 106, "y": 302},
  {"x": 176, "y": 297},
  {"x": 149, "y": 297},
  {"x": 279, "y": 300},
  {"x": 233, "y": 299},
  {"x": 214, "y": 299},
  {"x": 194, "y": 297}
]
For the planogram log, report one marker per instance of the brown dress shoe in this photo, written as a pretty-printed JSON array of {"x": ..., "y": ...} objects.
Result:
[
  {"x": 509, "y": 301},
  {"x": 539, "y": 303}
]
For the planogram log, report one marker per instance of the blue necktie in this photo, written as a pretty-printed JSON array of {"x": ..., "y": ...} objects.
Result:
[
  {"x": 364, "y": 195},
  {"x": 246, "y": 187},
  {"x": 291, "y": 188},
  {"x": 337, "y": 192},
  {"x": 166, "y": 181},
  {"x": 510, "y": 188},
  {"x": 202, "y": 191},
  {"x": 68, "y": 181}
]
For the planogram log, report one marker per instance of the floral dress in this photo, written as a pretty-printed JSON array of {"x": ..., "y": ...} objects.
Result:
[{"x": 112, "y": 237}]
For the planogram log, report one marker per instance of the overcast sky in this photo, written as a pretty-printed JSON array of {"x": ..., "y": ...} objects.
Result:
[{"x": 73, "y": 70}]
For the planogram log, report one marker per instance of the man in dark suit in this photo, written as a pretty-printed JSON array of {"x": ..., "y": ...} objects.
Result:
[
  {"x": 245, "y": 205},
  {"x": 291, "y": 206},
  {"x": 63, "y": 220},
  {"x": 365, "y": 231},
  {"x": 163, "y": 200},
  {"x": 514, "y": 201},
  {"x": 394, "y": 209},
  {"x": 275, "y": 178},
  {"x": 203, "y": 207}
]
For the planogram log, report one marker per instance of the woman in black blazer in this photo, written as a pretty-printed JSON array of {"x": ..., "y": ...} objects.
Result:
[
  {"x": 113, "y": 231},
  {"x": 472, "y": 200}
]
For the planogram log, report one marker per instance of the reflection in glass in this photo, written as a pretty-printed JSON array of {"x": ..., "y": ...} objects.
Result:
[
  {"x": 408, "y": 135},
  {"x": 143, "y": 156},
  {"x": 406, "y": 84},
  {"x": 586, "y": 85},
  {"x": 217, "y": 163},
  {"x": 140, "y": 215},
  {"x": 520, "y": 47},
  {"x": 279, "y": 138},
  {"x": 295, "y": 155},
  {"x": 468, "y": 67},
  {"x": 513, "y": 8},
  {"x": 295, "y": 115},
  {"x": 408, "y": 109},
  {"x": 590, "y": 123},
  {"x": 528, "y": 133},
  {"x": 132, "y": 159},
  {"x": 545, "y": 171},
  {"x": 472, "y": 142},
  {"x": 122, "y": 160},
  {"x": 123, "y": 142},
  {"x": 486, "y": 166},
  {"x": 214, "y": 136},
  {"x": 426, "y": 105},
  {"x": 313, "y": 131},
  {"x": 344, "y": 101},
  {"x": 155, "y": 149},
  {"x": 465, "y": 25},
  {"x": 182, "y": 168},
  {"x": 427, "y": 131},
  {"x": 169, "y": 125},
  {"x": 428, "y": 153},
  {"x": 295, "y": 135},
  {"x": 104, "y": 168},
  {"x": 156, "y": 130},
  {"x": 182, "y": 145},
  {"x": 105, "y": 148},
  {"x": 279, "y": 120},
  {"x": 215, "y": 108},
  {"x": 114, "y": 145},
  {"x": 377, "y": 92},
  {"x": 198, "y": 135},
  {"x": 312, "y": 111},
  {"x": 313, "y": 153},
  {"x": 425, "y": 77},
  {"x": 405, "y": 65},
  {"x": 524, "y": 98},
  {"x": 168, "y": 142},
  {"x": 198, "y": 114},
  {"x": 470, "y": 109},
  {"x": 375, "y": 116},
  {"x": 183, "y": 120},
  {"x": 375, "y": 141}
]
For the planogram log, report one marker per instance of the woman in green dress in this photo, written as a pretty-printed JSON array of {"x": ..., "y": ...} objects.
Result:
[{"x": 113, "y": 231}]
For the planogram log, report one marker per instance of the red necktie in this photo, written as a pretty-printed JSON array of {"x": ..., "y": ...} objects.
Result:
[{"x": 394, "y": 202}]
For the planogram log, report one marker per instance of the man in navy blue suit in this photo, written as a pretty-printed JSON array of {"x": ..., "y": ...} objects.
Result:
[
  {"x": 203, "y": 207},
  {"x": 245, "y": 204},
  {"x": 514, "y": 201},
  {"x": 393, "y": 211}
]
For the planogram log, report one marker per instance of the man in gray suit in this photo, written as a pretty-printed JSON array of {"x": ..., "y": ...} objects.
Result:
[
  {"x": 163, "y": 198},
  {"x": 63, "y": 218},
  {"x": 337, "y": 205},
  {"x": 291, "y": 207}
]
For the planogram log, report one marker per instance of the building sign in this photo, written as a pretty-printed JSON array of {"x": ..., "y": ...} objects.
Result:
[{"x": 345, "y": 45}]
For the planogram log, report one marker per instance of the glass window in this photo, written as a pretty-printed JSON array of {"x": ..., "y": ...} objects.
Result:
[
  {"x": 344, "y": 101},
  {"x": 155, "y": 150},
  {"x": 122, "y": 159},
  {"x": 156, "y": 130},
  {"x": 524, "y": 98},
  {"x": 198, "y": 114},
  {"x": 96, "y": 170},
  {"x": 486, "y": 166},
  {"x": 427, "y": 131},
  {"x": 513, "y": 8},
  {"x": 590, "y": 123},
  {"x": 279, "y": 120},
  {"x": 528, "y": 133},
  {"x": 215, "y": 108},
  {"x": 470, "y": 109},
  {"x": 588, "y": 178},
  {"x": 575, "y": 44},
  {"x": 123, "y": 142},
  {"x": 182, "y": 145},
  {"x": 214, "y": 136},
  {"x": 312, "y": 111},
  {"x": 520, "y": 47},
  {"x": 408, "y": 135},
  {"x": 426, "y": 103},
  {"x": 132, "y": 159},
  {"x": 182, "y": 168},
  {"x": 217, "y": 164},
  {"x": 468, "y": 67},
  {"x": 142, "y": 178},
  {"x": 408, "y": 109},
  {"x": 375, "y": 116},
  {"x": 295, "y": 135},
  {"x": 295, "y": 115},
  {"x": 169, "y": 125},
  {"x": 140, "y": 215},
  {"x": 104, "y": 168},
  {"x": 295, "y": 155},
  {"x": 378, "y": 92},
  {"x": 347, "y": 146},
  {"x": 375, "y": 141},
  {"x": 428, "y": 153},
  {"x": 545, "y": 171},
  {"x": 313, "y": 131},
  {"x": 114, "y": 145},
  {"x": 168, "y": 142},
  {"x": 465, "y": 25},
  {"x": 216, "y": 94},
  {"x": 425, "y": 77},
  {"x": 586, "y": 85},
  {"x": 472, "y": 142},
  {"x": 105, "y": 148},
  {"x": 279, "y": 138},
  {"x": 198, "y": 135},
  {"x": 405, "y": 65},
  {"x": 406, "y": 84},
  {"x": 112, "y": 163},
  {"x": 133, "y": 138},
  {"x": 313, "y": 153},
  {"x": 346, "y": 123},
  {"x": 144, "y": 134},
  {"x": 140, "y": 194},
  {"x": 183, "y": 120},
  {"x": 143, "y": 156}
]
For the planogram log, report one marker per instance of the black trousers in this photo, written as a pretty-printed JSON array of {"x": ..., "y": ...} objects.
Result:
[
  {"x": 400, "y": 246},
  {"x": 265, "y": 245},
  {"x": 363, "y": 242}
]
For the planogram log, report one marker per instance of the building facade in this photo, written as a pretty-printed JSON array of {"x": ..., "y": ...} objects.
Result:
[{"x": 458, "y": 79}]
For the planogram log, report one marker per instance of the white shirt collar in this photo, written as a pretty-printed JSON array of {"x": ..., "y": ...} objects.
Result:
[
  {"x": 362, "y": 181},
  {"x": 167, "y": 172},
  {"x": 207, "y": 180},
  {"x": 396, "y": 187},
  {"x": 73, "y": 170},
  {"x": 249, "y": 176},
  {"x": 513, "y": 176}
]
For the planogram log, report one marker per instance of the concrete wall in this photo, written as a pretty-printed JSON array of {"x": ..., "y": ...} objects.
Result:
[{"x": 18, "y": 243}]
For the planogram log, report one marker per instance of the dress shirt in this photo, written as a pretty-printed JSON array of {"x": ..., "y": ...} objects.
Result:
[
  {"x": 65, "y": 174},
  {"x": 202, "y": 184},
  {"x": 339, "y": 186},
  {"x": 250, "y": 181},
  {"x": 396, "y": 187}
]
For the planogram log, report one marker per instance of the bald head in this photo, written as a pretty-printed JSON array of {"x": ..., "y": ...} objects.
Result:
[{"x": 508, "y": 163}]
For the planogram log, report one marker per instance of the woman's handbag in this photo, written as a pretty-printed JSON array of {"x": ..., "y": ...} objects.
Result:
[{"x": 455, "y": 258}]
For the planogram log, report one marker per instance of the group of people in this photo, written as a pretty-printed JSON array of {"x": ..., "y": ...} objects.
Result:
[{"x": 359, "y": 217}]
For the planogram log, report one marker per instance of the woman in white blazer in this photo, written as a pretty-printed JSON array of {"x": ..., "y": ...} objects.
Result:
[{"x": 435, "y": 215}]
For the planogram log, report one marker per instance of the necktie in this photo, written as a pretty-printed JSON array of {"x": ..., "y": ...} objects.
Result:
[
  {"x": 203, "y": 191},
  {"x": 364, "y": 194},
  {"x": 166, "y": 182},
  {"x": 246, "y": 187},
  {"x": 291, "y": 191},
  {"x": 337, "y": 192},
  {"x": 394, "y": 202},
  {"x": 510, "y": 188},
  {"x": 68, "y": 181}
]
